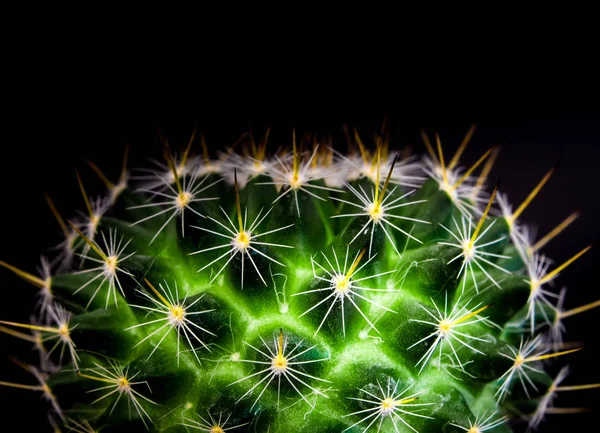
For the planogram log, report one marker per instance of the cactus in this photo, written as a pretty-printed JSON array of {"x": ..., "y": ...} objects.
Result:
[{"x": 303, "y": 291}]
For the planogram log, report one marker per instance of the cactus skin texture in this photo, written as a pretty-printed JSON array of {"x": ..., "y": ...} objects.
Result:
[{"x": 298, "y": 292}]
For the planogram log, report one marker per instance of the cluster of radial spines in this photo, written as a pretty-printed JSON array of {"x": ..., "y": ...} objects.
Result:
[
  {"x": 526, "y": 363},
  {"x": 173, "y": 313},
  {"x": 107, "y": 265},
  {"x": 392, "y": 402},
  {"x": 378, "y": 208},
  {"x": 214, "y": 424},
  {"x": 302, "y": 168},
  {"x": 482, "y": 423},
  {"x": 120, "y": 382},
  {"x": 279, "y": 363},
  {"x": 174, "y": 202},
  {"x": 468, "y": 239},
  {"x": 242, "y": 240},
  {"x": 55, "y": 329},
  {"x": 447, "y": 324},
  {"x": 546, "y": 405},
  {"x": 464, "y": 190},
  {"x": 342, "y": 285}
]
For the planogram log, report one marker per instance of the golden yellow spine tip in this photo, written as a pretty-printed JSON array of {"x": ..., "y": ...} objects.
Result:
[
  {"x": 387, "y": 181},
  {"x": 563, "y": 345},
  {"x": 280, "y": 344},
  {"x": 531, "y": 196},
  {"x": 550, "y": 355},
  {"x": 33, "y": 327},
  {"x": 124, "y": 165},
  {"x": 157, "y": 293},
  {"x": 485, "y": 171},
  {"x": 378, "y": 174},
  {"x": 237, "y": 200},
  {"x": 36, "y": 281},
  {"x": 438, "y": 143},
  {"x": 428, "y": 146},
  {"x": 253, "y": 144},
  {"x": 577, "y": 387},
  {"x": 296, "y": 156},
  {"x": 461, "y": 148},
  {"x": 171, "y": 164},
  {"x": 101, "y": 175},
  {"x": 89, "y": 242},
  {"x": 21, "y": 364},
  {"x": 386, "y": 146},
  {"x": 59, "y": 219},
  {"x": 406, "y": 400},
  {"x": 363, "y": 151},
  {"x": 263, "y": 146},
  {"x": 566, "y": 410},
  {"x": 85, "y": 197},
  {"x": 484, "y": 216},
  {"x": 374, "y": 161},
  {"x": 552, "y": 274},
  {"x": 555, "y": 232},
  {"x": 21, "y": 386},
  {"x": 96, "y": 378},
  {"x": 186, "y": 153},
  {"x": 578, "y": 310},
  {"x": 204, "y": 149},
  {"x": 471, "y": 314},
  {"x": 354, "y": 265},
  {"x": 471, "y": 170},
  {"x": 18, "y": 334}
]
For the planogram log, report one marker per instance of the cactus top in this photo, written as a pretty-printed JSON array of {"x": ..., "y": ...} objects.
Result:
[{"x": 300, "y": 291}]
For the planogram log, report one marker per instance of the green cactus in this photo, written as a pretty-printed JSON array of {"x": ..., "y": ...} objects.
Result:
[{"x": 303, "y": 292}]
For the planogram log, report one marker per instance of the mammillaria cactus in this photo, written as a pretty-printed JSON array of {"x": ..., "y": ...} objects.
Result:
[{"x": 298, "y": 290}]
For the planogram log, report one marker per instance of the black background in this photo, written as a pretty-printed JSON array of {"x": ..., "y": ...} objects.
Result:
[{"x": 42, "y": 147}]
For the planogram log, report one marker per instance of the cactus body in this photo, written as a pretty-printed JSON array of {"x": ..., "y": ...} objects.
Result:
[{"x": 301, "y": 292}]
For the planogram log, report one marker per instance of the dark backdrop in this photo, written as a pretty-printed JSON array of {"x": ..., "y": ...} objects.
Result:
[{"x": 41, "y": 151}]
